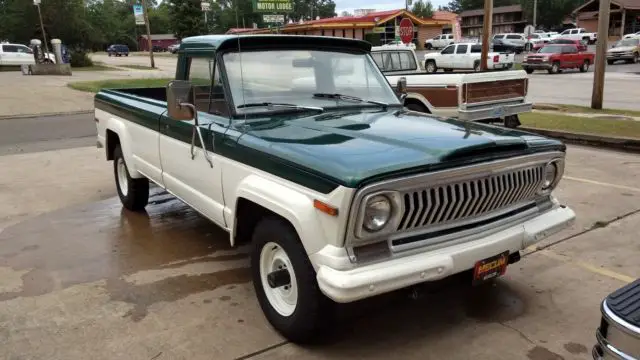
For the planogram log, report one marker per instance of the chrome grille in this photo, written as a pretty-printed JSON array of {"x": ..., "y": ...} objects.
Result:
[{"x": 447, "y": 203}]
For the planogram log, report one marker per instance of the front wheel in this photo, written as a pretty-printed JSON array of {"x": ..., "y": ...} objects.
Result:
[
  {"x": 285, "y": 282},
  {"x": 428, "y": 47},
  {"x": 430, "y": 66},
  {"x": 529, "y": 70},
  {"x": 133, "y": 193},
  {"x": 636, "y": 58},
  {"x": 555, "y": 68}
]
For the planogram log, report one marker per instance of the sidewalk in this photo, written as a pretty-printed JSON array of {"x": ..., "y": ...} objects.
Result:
[{"x": 25, "y": 95}]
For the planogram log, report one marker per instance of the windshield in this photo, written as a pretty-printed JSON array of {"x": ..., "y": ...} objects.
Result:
[
  {"x": 294, "y": 76},
  {"x": 628, "y": 42},
  {"x": 550, "y": 49}
]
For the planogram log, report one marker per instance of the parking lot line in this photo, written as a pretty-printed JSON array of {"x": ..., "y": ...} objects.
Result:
[
  {"x": 592, "y": 268},
  {"x": 602, "y": 183}
]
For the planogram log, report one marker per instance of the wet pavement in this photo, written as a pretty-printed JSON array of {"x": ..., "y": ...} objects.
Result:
[{"x": 93, "y": 280}]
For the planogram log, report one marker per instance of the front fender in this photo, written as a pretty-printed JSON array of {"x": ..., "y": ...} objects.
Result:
[{"x": 293, "y": 205}]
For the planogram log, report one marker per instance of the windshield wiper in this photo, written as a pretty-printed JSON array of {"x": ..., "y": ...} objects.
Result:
[
  {"x": 271, "y": 104},
  {"x": 349, "y": 97}
]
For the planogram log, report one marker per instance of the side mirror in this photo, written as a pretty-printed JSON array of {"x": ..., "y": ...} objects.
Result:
[
  {"x": 180, "y": 100},
  {"x": 401, "y": 87}
]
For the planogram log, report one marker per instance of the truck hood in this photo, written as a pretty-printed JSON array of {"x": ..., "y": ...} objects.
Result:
[{"x": 355, "y": 146}]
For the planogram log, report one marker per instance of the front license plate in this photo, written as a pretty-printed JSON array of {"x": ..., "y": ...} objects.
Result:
[{"x": 491, "y": 267}]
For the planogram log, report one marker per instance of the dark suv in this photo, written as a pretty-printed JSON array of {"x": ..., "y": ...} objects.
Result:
[{"x": 118, "y": 50}]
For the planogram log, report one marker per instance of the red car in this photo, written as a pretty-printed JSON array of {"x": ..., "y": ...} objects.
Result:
[
  {"x": 555, "y": 57},
  {"x": 582, "y": 46}
]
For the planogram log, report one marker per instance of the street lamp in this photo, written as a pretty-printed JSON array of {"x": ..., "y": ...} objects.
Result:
[{"x": 44, "y": 35}]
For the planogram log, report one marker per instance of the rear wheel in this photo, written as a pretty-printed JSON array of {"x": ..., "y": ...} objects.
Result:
[
  {"x": 585, "y": 66},
  {"x": 529, "y": 70},
  {"x": 285, "y": 282},
  {"x": 512, "y": 121},
  {"x": 133, "y": 193},
  {"x": 610, "y": 62},
  {"x": 476, "y": 66}
]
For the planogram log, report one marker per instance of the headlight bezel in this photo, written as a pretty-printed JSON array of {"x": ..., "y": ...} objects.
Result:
[
  {"x": 362, "y": 235},
  {"x": 559, "y": 165},
  {"x": 382, "y": 199}
]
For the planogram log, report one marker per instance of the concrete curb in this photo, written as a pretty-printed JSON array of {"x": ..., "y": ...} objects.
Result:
[
  {"x": 616, "y": 143},
  {"x": 22, "y": 116}
]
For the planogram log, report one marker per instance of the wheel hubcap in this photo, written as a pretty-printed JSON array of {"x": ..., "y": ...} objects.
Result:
[
  {"x": 121, "y": 169},
  {"x": 278, "y": 279}
]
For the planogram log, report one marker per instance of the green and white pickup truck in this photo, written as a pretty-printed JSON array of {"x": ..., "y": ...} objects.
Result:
[{"x": 342, "y": 193}]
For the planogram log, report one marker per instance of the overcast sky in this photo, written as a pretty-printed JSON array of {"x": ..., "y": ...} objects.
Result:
[{"x": 350, "y": 5}]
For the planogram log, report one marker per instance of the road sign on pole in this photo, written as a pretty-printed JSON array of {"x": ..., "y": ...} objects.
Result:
[
  {"x": 405, "y": 30},
  {"x": 528, "y": 30},
  {"x": 138, "y": 14}
]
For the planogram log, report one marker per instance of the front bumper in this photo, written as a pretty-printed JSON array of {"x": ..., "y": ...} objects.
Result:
[
  {"x": 623, "y": 56},
  {"x": 494, "y": 111},
  {"x": 369, "y": 280}
]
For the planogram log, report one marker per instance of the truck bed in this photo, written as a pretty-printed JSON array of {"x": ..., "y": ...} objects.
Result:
[{"x": 156, "y": 93}]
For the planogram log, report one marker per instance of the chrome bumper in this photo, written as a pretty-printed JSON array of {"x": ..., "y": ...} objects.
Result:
[
  {"x": 616, "y": 338},
  {"x": 494, "y": 111},
  {"x": 345, "y": 286}
]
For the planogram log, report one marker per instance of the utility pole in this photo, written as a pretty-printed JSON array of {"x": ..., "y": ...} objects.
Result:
[
  {"x": 486, "y": 31},
  {"x": 44, "y": 34},
  {"x": 535, "y": 11},
  {"x": 601, "y": 54},
  {"x": 146, "y": 23}
]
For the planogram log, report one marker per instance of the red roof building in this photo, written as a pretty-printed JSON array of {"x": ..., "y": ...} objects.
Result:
[{"x": 377, "y": 27}]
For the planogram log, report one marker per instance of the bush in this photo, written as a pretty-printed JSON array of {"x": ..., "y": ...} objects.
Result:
[{"x": 80, "y": 59}]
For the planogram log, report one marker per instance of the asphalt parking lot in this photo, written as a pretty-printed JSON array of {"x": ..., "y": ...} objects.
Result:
[{"x": 82, "y": 278}]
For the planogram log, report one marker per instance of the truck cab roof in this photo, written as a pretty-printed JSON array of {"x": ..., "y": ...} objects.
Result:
[{"x": 275, "y": 41}]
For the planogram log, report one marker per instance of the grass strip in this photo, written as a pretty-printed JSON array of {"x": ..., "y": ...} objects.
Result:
[
  {"x": 585, "y": 109},
  {"x": 602, "y": 127},
  {"x": 95, "y": 86}
]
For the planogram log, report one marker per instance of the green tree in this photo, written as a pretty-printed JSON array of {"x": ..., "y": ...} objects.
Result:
[
  {"x": 186, "y": 18},
  {"x": 422, "y": 9},
  {"x": 550, "y": 13},
  {"x": 458, "y": 6}
]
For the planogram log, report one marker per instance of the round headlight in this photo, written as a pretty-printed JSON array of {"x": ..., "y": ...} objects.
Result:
[
  {"x": 377, "y": 213},
  {"x": 550, "y": 173}
]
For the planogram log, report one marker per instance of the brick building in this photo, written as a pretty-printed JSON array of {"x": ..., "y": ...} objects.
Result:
[
  {"x": 161, "y": 40},
  {"x": 506, "y": 19},
  {"x": 624, "y": 17}
]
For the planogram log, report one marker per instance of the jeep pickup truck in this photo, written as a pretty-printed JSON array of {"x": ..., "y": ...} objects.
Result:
[
  {"x": 339, "y": 192},
  {"x": 492, "y": 96}
]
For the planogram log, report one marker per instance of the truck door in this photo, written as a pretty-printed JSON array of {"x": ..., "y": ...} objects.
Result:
[
  {"x": 191, "y": 169},
  {"x": 10, "y": 55},
  {"x": 462, "y": 59},
  {"x": 446, "y": 57}
]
